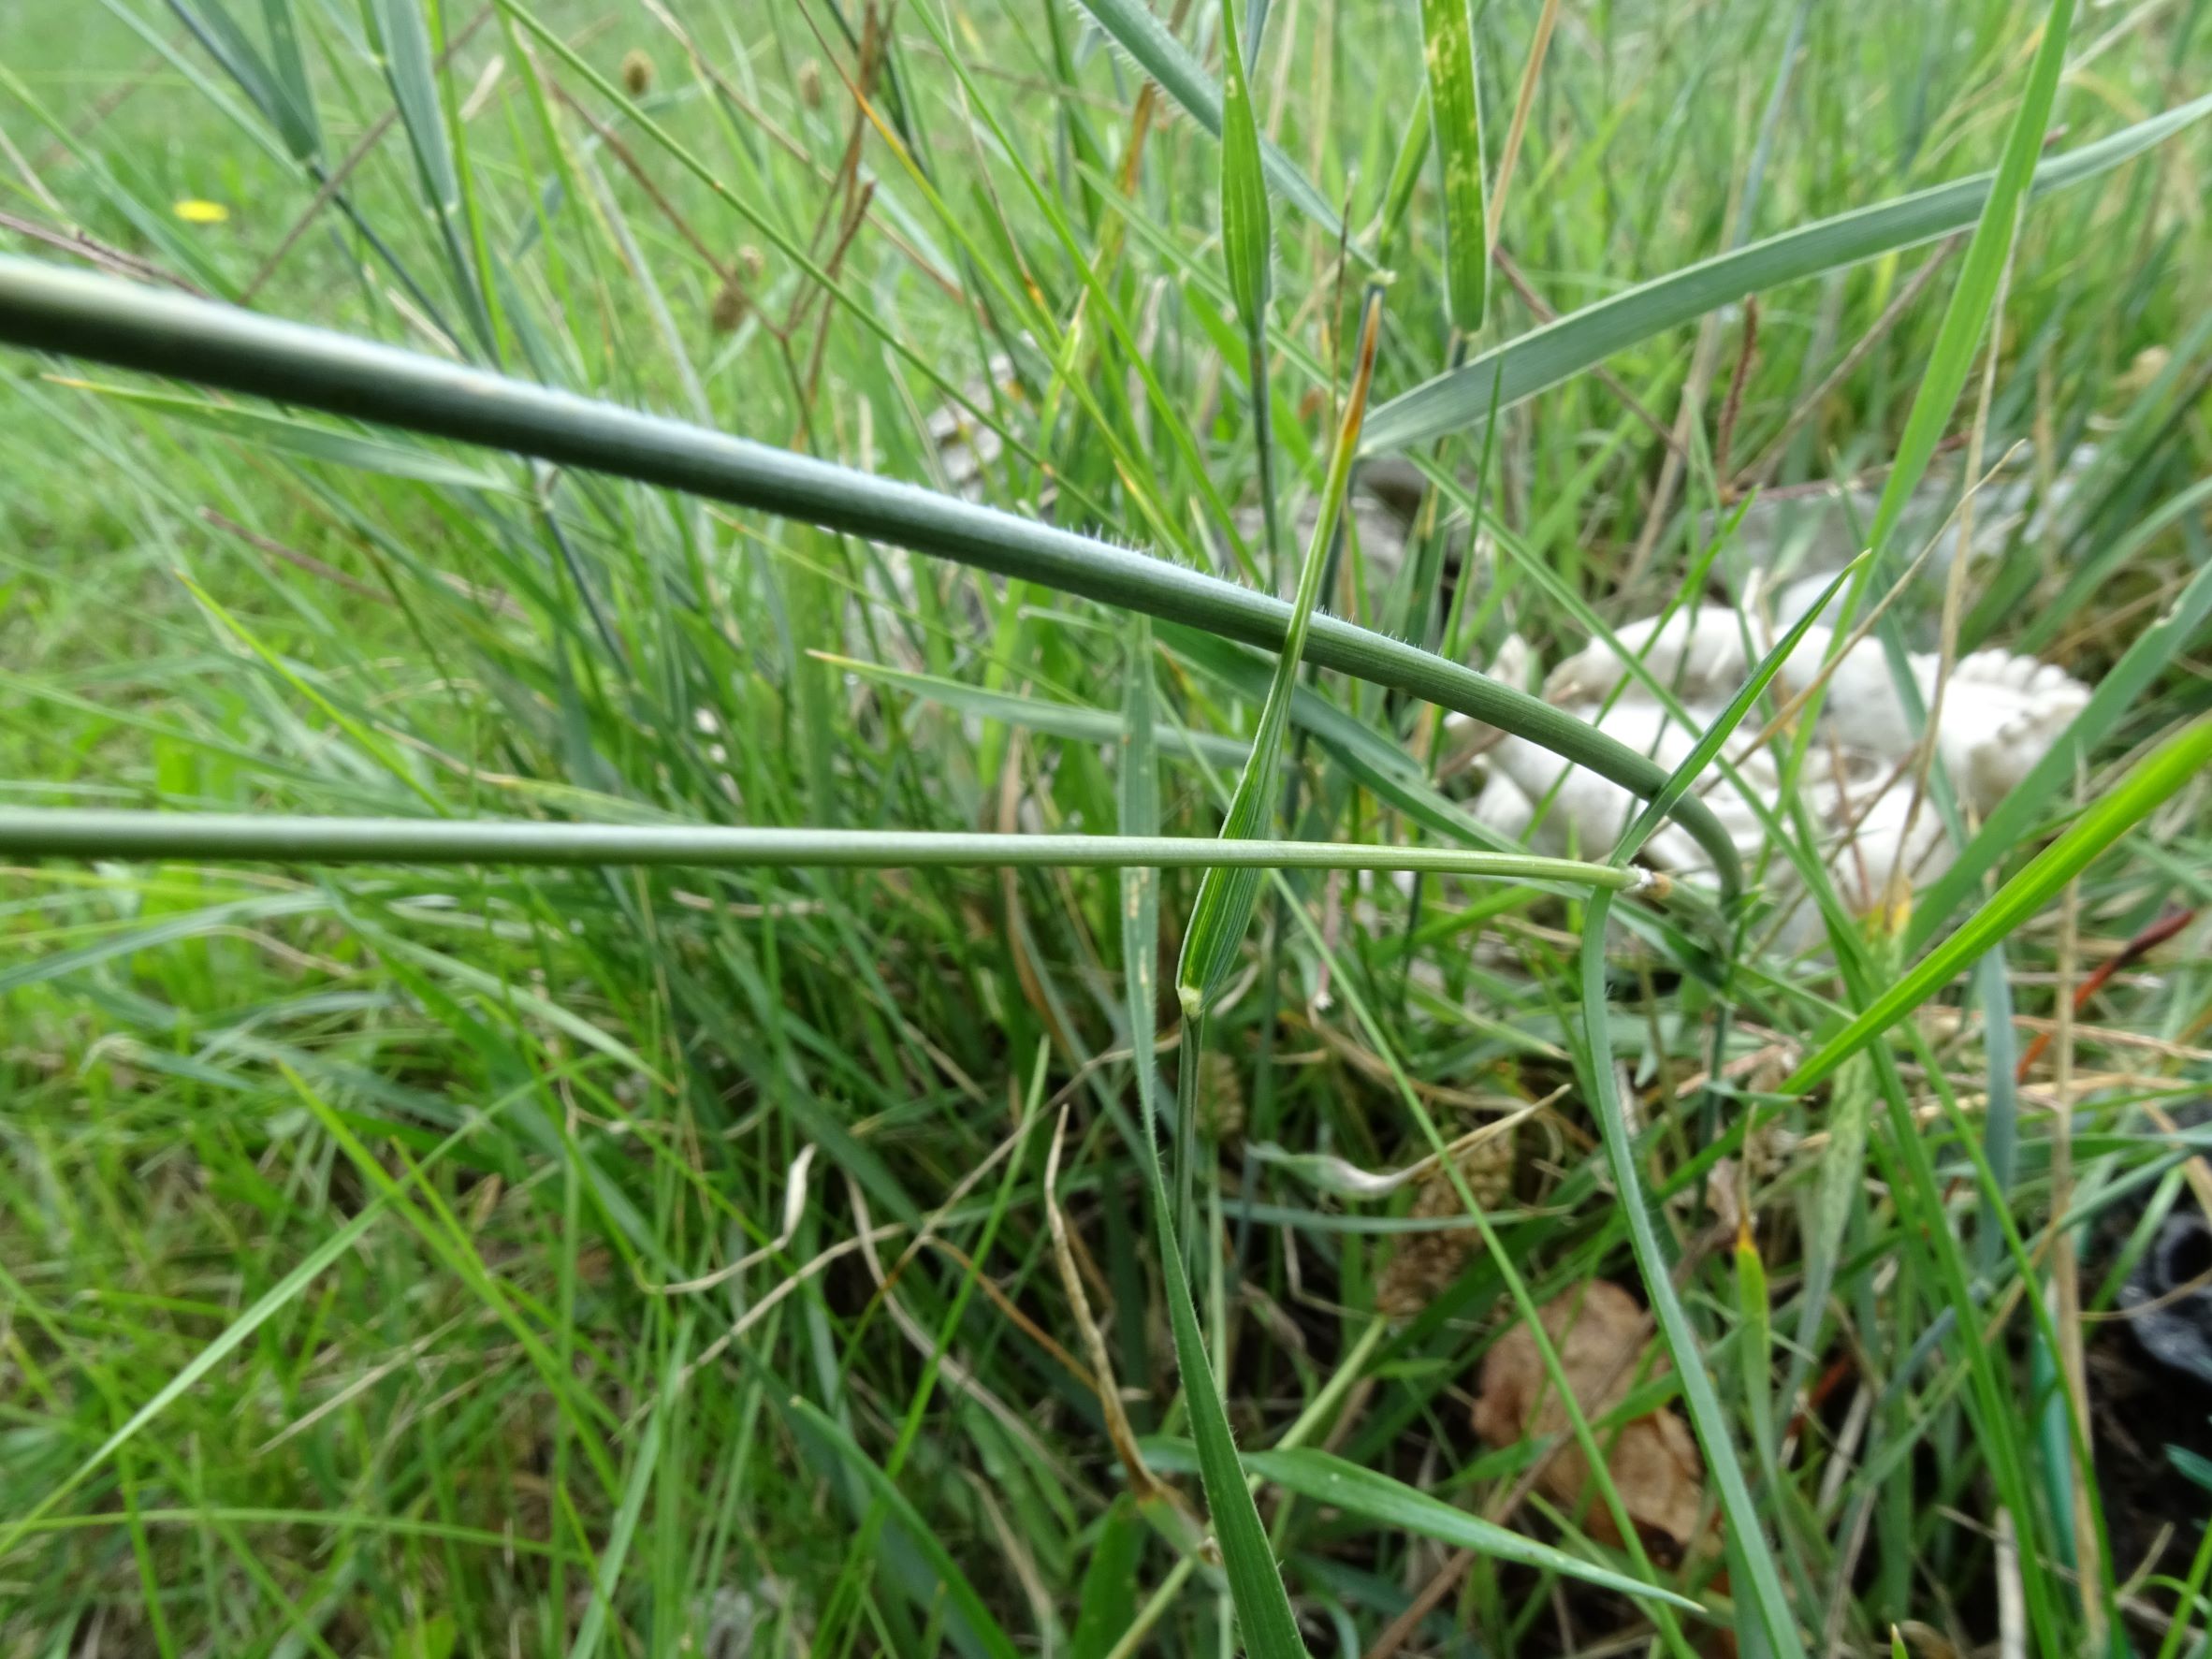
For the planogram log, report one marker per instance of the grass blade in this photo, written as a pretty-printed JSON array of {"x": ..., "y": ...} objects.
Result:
[
  {"x": 1131, "y": 25},
  {"x": 2082, "y": 587},
  {"x": 1766, "y": 1607},
  {"x": 61, "y": 832},
  {"x": 288, "y": 73},
  {"x": 1447, "y": 47},
  {"x": 2017, "y": 814},
  {"x": 591, "y": 1628},
  {"x": 2115, "y": 813},
  {"x": 1708, "y": 743},
  {"x": 311, "y": 441},
  {"x": 1582, "y": 340},
  {"x": 1263, "y": 1609},
  {"x": 1979, "y": 273},
  {"x": 1224, "y": 901},
  {"x": 1247, "y": 243},
  {"x": 49, "y": 309},
  {"x": 1136, "y": 800},
  {"x": 1248, "y": 1559},
  {"x": 278, "y": 91},
  {"x": 1348, "y": 1486},
  {"x": 1040, "y": 714},
  {"x": 990, "y": 1636},
  {"x": 1247, "y": 250}
]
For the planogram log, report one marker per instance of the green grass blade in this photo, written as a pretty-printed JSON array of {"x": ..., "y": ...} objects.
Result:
[
  {"x": 1967, "y": 316},
  {"x": 1247, "y": 241},
  {"x": 266, "y": 1307},
  {"x": 278, "y": 91},
  {"x": 1362, "y": 1491},
  {"x": 1223, "y": 909},
  {"x": 1131, "y": 25},
  {"x": 61, "y": 832},
  {"x": 2016, "y": 816},
  {"x": 402, "y": 37},
  {"x": 1710, "y": 742},
  {"x": 1248, "y": 253},
  {"x": 1754, "y": 1312},
  {"x": 1137, "y": 802},
  {"x": 288, "y": 73},
  {"x": 1255, "y": 1584},
  {"x": 2082, "y": 587},
  {"x": 1764, "y": 1607},
  {"x": 51, "y": 308},
  {"x": 959, "y": 1589},
  {"x": 644, "y": 1462},
  {"x": 2116, "y": 812},
  {"x": 1447, "y": 49},
  {"x": 1264, "y": 1608},
  {"x": 1558, "y": 351},
  {"x": 1043, "y": 714},
  {"x": 1269, "y": 1627},
  {"x": 1406, "y": 173},
  {"x": 311, "y": 441},
  {"x": 1109, "y": 1591}
]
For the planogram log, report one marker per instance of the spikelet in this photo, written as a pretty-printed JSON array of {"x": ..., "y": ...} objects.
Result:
[
  {"x": 731, "y": 306},
  {"x": 1428, "y": 1263},
  {"x": 1221, "y": 1099}
]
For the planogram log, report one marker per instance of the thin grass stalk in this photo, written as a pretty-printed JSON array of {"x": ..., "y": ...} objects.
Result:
[
  {"x": 1763, "y": 1607},
  {"x": 1222, "y": 912},
  {"x": 1247, "y": 247},
  {"x": 1269, "y": 1628},
  {"x": 49, "y": 309},
  {"x": 62, "y": 832}
]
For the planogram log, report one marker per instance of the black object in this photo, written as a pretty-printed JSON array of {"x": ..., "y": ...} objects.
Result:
[{"x": 2169, "y": 1297}]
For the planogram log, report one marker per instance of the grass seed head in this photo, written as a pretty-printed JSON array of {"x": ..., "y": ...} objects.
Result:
[{"x": 731, "y": 306}]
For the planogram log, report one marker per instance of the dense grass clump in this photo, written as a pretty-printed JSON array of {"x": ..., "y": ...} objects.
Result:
[{"x": 792, "y": 1173}]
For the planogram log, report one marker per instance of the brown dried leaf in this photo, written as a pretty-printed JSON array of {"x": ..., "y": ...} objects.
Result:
[{"x": 1603, "y": 1337}]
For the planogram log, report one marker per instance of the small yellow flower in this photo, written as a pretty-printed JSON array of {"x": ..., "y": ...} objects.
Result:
[{"x": 194, "y": 212}]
